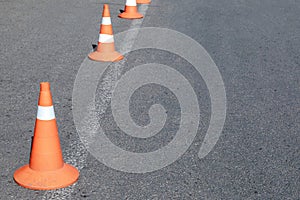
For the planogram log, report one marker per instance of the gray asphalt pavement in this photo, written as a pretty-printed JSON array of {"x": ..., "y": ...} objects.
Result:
[{"x": 256, "y": 46}]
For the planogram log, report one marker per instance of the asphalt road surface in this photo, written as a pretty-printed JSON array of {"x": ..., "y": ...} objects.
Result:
[{"x": 256, "y": 46}]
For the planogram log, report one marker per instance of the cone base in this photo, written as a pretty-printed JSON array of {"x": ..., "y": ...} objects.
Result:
[
  {"x": 46, "y": 180},
  {"x": 126, "y": 15},
  {"x": 106, "y": 56},
  {"x": 143, "y": 1}
]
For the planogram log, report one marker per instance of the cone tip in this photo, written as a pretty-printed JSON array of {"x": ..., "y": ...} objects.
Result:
[
  {"x": 44, "y": 86},
  {"x": 106, "y": 12}
]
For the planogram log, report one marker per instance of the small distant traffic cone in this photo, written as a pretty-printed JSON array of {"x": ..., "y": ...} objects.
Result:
[
  {"x": 46, "y": 169},
  {"x": 106, "y": 47},
  {"x": 131, "y": 11},
  {"x": 143, "y": 1}
]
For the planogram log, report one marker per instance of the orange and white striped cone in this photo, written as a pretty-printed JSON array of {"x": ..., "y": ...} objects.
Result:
[
  {"x": 46, "y": 169},
  {"x": 143, "y": 1},
  {"x": 131, "y": 11},
  {"x": 106, "y": 46}
]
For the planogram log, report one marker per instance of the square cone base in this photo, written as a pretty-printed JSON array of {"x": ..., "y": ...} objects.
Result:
[
  {"x": 46, "y": 180},
  {"x": 130, "y": 15},
  {"x": 106, "y": 56}
]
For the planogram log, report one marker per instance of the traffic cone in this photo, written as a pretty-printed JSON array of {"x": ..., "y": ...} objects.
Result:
[
  {"x": 130, "y": 11},
  {"x": 46, "y": 169},
  {"x": 143, "y": 1},
  {"x": 106, "y": 47}
]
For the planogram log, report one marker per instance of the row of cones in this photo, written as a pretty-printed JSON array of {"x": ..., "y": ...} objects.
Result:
[
  {"x": 105, "y": 51},
  {"x": 46, "y": 169}
]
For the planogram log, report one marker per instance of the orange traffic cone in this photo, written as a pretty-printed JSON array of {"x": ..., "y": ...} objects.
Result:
[
  {"x": 46, "y": 169},
  {"x": 106, "y": 47},
  {"x": 131, "y": 11},
  {"x": 143, "y": 1}
]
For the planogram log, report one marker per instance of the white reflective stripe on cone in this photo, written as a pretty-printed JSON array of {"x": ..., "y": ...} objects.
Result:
[
  {"x": 106, "y": 21},
  {"x": 131, "y": 3},
  {"x": 45, "y": 113},
  {"x": 105, "y": 38}
]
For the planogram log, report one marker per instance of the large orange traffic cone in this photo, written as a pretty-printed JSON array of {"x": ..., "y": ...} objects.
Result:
[
  {"x": 46, "y": 169},
  {"x": 130, "y": 11},
  {"x": 106, "y": 47},
  {"x": 143, "y": 1}
]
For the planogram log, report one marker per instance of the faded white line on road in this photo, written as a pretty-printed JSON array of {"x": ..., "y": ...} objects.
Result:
[
  {"x": 76, "y": 155},
  {"x": 114, "y": 73}
]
